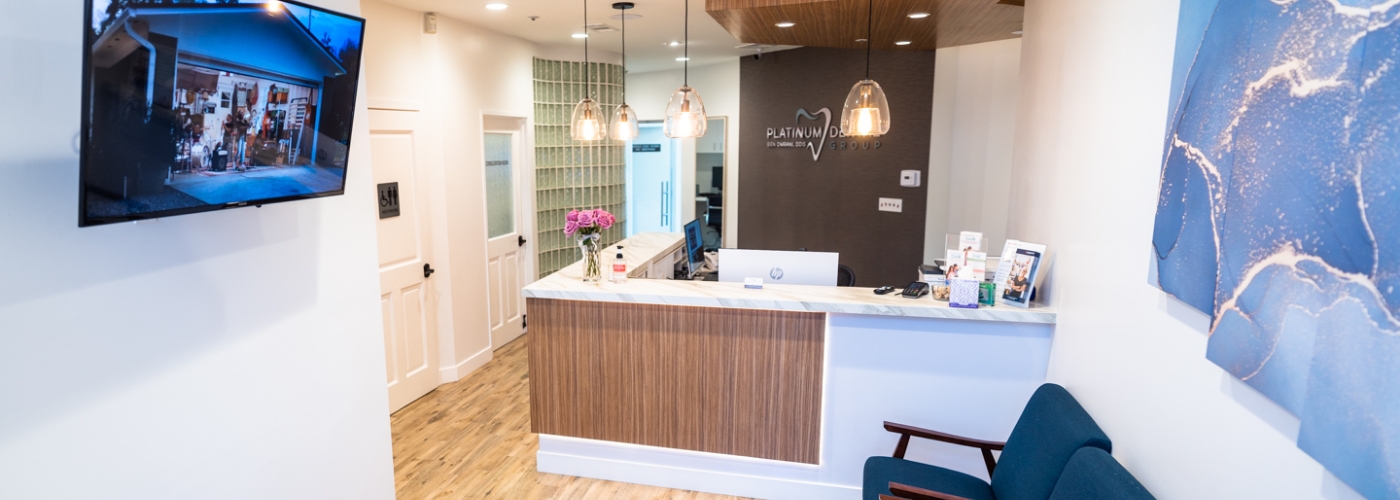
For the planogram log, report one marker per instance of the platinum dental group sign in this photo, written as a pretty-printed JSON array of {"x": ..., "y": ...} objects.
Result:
[{"x": 813, "y": 136}]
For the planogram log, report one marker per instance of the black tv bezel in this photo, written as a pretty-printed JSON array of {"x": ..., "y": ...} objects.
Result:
[{"x": 85, "y": 130}]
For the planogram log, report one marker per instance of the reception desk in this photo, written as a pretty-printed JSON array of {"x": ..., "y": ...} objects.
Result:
[{"x": 774, "y": 393}]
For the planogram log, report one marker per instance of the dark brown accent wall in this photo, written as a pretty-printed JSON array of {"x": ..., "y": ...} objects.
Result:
[
  {"x": 788, "y": 201},
  {"x": 730, "y": 381}
]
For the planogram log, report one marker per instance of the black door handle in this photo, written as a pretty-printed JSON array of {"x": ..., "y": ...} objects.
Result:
[
  {"x": 522, "y": 240},
  {"x": 428, "y": 270}
]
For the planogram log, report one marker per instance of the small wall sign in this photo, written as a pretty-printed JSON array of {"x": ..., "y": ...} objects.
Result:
[
  {"x": 388, "y": 200},
  {"x": 646, "y": 148}
]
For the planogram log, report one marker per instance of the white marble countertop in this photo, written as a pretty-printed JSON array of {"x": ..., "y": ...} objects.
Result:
[{"x": 643, "y": 247}]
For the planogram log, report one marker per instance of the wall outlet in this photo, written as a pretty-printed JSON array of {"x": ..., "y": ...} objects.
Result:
[{"x": 891, "y": 205}]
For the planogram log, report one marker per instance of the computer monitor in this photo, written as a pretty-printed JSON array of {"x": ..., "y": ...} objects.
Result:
[
  {"x": 783, "y": 268},
  {"x": 694, "y": 246}
]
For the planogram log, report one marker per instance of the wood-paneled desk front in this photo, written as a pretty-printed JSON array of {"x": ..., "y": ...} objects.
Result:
[{"x": 772, "y": 393}]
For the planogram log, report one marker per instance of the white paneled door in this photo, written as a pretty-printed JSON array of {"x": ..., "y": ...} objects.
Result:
[
  {"x": 409, "y": 304},
  {"x": 506, "y": 243}
]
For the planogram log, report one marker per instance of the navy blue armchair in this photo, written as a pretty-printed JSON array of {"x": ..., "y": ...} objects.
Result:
[
  {"x": 1051, "y": 429},
  {"x": 1092, "y": 473}
]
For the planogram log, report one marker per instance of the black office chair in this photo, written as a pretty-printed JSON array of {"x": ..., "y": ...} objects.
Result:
[{"x": 845, "y": 276}]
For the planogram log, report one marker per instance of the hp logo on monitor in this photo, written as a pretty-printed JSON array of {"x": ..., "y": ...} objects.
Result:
[{"x": 776, "y": 274}]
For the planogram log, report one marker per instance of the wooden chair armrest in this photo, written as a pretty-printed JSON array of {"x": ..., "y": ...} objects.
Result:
[
  {"x": 887, "y": 497},
  {"x": 913, "y": 493},
  {"x": 909, "y": 430},
  {"x": 905, "y": 431}
]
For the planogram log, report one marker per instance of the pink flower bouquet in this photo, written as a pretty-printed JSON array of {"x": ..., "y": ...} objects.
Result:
[
  {"x": 585, "y": 226},
  {"x": 588, "y": 222}
]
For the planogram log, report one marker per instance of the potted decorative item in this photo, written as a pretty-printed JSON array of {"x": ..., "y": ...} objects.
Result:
[{"x": 585, "y": 227}]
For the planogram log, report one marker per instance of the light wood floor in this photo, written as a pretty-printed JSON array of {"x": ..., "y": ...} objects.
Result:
[{"x": 471, "y": 439}]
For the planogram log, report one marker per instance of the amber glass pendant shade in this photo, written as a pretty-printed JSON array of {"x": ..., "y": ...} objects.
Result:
[
  {"x": 685, "y": 114},
  {"x": 624, "y": 124},
  {"x": 588, "y": 123},
  {"x": 867, "y": 112}
]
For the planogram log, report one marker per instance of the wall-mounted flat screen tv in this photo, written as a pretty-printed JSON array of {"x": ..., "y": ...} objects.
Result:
[{"x": 198, "y": 105}]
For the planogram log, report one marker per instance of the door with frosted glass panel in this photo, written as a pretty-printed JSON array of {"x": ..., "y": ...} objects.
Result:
[{"x": 505, "y": 242}]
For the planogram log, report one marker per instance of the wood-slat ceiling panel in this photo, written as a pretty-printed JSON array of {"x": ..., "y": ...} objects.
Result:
[{"x": 840, "y": 23}]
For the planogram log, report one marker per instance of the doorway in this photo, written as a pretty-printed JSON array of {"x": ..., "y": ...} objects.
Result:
[
  {"x": 652, "y": 168},
  {"x": 508, "y": 209},
  {"x": 710, "y": 154}
]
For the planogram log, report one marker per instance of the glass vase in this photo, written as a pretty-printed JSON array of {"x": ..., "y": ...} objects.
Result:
[{"x": 591, "y": 266}]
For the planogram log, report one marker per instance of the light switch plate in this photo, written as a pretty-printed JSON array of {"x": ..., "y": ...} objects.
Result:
[{"x": 891, "y": 205}]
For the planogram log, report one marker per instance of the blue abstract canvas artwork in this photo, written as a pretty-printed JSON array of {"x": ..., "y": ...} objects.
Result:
[{"x": 1279, "y": 214}]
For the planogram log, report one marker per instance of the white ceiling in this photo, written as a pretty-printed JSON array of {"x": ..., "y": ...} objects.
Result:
[{"x": 661, "y": 22}]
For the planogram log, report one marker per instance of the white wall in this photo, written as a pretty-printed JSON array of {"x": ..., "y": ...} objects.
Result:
[
  {"x": 718, "y": 85},
  {"x": 233, "y": 354},
  {"x": 454, "y": 78},
  {"x": 1087, "y": 158},
  {"x": 975, "y": 94}
]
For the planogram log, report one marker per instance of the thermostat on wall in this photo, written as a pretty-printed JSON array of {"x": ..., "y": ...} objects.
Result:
[{"x": 909, "y": 178}]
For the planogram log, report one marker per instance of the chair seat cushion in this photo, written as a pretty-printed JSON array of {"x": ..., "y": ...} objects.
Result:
[{"x": 881, "y": 471}]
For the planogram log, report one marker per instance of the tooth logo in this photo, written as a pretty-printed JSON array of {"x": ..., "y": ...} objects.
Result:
[{"x": 813, "y": 145}]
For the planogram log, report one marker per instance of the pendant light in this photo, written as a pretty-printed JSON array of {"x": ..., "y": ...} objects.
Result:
[
  {"x": 867, "y": 112},
  {"x": 588, "y": 122},
  {"x": 685, "y": 114},
  {"x": 624, "y": 120}
]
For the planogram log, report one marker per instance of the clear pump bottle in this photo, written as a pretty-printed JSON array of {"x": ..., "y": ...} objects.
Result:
[{"x": 619, "y": 269}]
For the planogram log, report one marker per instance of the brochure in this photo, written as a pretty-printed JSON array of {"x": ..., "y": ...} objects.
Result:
[
  {"x": 1008, "y": 252},
  {"x": 976, "y": 268},
  {"x": 955, "y": 262},
  {"x": 1016, "y": 289},
  {"x": 970, "y": 242},
  {"x": 966, "y": 265}
]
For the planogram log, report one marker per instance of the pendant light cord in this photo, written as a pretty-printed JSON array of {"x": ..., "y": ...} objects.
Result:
[
  {"x": 869, "y": 27},
  {"x": 624, "y": 55},
  {"x": 587, "y": 88},
  {"x": 686, "y": 78}
]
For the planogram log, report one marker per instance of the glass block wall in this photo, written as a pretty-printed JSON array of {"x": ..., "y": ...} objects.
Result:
[{"x": 573, "y": 174}]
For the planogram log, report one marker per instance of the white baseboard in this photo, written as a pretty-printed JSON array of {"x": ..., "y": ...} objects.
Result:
[
  {"x": 687, "y": 470},
  {"x": 450, "y": 374}
]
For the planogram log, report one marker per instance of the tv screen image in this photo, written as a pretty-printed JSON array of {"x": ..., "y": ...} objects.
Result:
[{"x": 191, "y": 106}]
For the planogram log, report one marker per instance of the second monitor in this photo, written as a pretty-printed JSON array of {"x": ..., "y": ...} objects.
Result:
[{"x": 694, "y": 247}]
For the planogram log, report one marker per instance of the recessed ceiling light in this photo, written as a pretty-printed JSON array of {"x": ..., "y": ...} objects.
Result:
[
  {"x": 672, "y": 44},
  {"x": 497, "y": 6},
  {"x": 682, "y": 58},
  {"x": 918, "y": 15},
  {"x": 1017, "y": 32},
  {"x": 580, "y": 35},
  {"x": 861, "y": 40},
  {"x": 785, "y": 24},
  {"x": 903, "y": 42}
]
